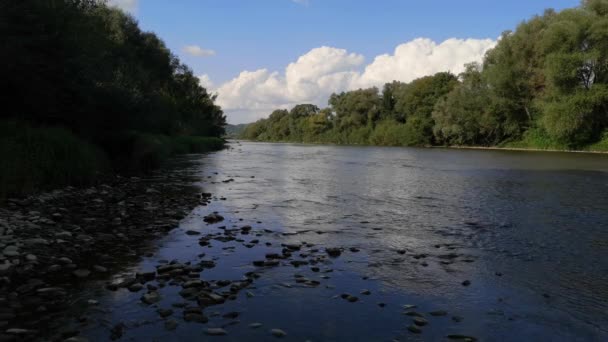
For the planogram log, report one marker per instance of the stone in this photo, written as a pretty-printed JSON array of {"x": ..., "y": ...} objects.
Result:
[
  {"x": 151, "y": 298},
  {"x": 278, "y": 333},
  {"x": 438, "y": 313},
  {"x": 215, "y": 332},
  {"x": 462, "y": 337},
  {"x": 414, "y": 329},
  {"x": 213, "y": 218},
  {"x": 255, "y": 325},
  {"x": 164, "y": 312},
  {"x": 466, "y": 283},
  {"x": 420, "y": 321},
  {"x": 171, "y": 324},
  {"x": 100, "y": 269},
  {"x": 11, "y": 251},
  {"x": 136, "y": 287},
  {"x": 81, "y": 273},
  {"x": 333, "y": 252}
]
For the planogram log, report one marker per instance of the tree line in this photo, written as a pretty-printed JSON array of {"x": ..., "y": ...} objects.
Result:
[
  {"x": 544, "y": 85},
  {"x": 80, "y": 70}
]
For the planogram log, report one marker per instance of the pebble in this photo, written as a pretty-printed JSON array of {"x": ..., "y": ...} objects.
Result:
[
  {"x": 414, "y": 329},
  {"x": 150, "y": 298},
  {"x": 164, "y": 312},
  {"x": 461, "y": 337},
  {"x": 81, "y": 273},
  {"x": 215, "y": 332},
  {"x": 333, "y": 252},
  {"x": 171, "y": 324},
  {"x": 278, "y": 333},
  {"x": 438, "y": 313},
  {"x": 11, "y": 251},
  {"x": 420, "y": 321},
  {"x": 255, "y": 325},
  {"x": 466, "y": 283}
]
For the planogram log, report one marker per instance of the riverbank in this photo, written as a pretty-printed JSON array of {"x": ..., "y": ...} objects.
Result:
[
  {"x": 54, "y": 243},
  {"x": 522, "y": 149},
  {"x": 42, "y": 158},
  {"x": 457, "y": 147}
]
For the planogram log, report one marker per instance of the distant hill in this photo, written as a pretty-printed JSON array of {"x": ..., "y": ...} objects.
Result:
[{"x": 234, "y": 131}]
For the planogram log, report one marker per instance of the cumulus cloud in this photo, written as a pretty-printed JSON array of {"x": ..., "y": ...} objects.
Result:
[
  {"x": 325, "y": 70},
  {"x": 197, "y": 51},
  {"x": 125, "y": 5},
  {"x": 205, "y": 82}
]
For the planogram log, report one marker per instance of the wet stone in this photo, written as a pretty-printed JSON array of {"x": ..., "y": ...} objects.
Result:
[
  {"x": 333, "y": 252},
  {"x": 171, "y": 324},
  {"x": 151, "y": 298},
  {"x": 438, "y": 313},
  {"x": 81, "y": 273},
  {"x": 414, "y": 329},
  {"x": 215, "y": 332},
  {"x": 278, "y": 333},
  {"x": 420, "y": 321},
  {"x": 164, "y": 312}
]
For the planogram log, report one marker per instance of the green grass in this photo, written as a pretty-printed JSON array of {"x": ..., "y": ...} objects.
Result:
[
  {"x": 35, "y": 159},
  {"x": 149, "y": 151},
  {"x": 601, "y": 145},
  {"x": 42, "y": 158},
  {"x": 535, "y": 138}
]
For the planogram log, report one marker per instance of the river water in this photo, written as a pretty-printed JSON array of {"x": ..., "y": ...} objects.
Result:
[{"x": 527, "y": 232}]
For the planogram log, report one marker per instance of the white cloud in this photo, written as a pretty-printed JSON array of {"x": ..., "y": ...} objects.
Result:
[
  {"x": 125, "y": 5},
  {"x": 205, "y": 82},
  {"x": 325, "y": 70},
  {"x": 197, "y": 51},
  {"x": 422, "y": 57}
]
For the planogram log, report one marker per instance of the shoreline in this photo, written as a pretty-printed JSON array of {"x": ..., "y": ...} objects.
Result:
[
  {"x": 53, "y": 244},
  {"x": 455, "y": 147}
]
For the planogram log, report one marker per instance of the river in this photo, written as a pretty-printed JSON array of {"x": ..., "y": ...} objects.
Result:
[{"x": 499, "y": 245}]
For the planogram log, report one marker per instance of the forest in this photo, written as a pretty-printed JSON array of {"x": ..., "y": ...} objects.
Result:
[
  {"x": 545, "y": 85},
  {"x": 86, "y": 91}
]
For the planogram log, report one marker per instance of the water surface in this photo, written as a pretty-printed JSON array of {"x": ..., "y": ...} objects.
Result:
[{"x": 528, "y": 230}]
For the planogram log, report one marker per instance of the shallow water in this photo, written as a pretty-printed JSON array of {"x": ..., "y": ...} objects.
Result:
[{"x": 528, "y": 230}]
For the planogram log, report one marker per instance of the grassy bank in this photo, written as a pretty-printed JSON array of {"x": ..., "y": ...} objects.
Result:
[{"x": 42, "y": 158}]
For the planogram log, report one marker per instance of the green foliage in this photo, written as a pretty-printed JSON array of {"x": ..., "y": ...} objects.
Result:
[
  {"x": 545, "y": 85},
  {"x": 89, "y": 68},
  {"x": 35, "y": 158}
]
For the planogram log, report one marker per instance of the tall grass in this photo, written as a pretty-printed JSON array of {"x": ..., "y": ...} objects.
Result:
[
  {"x": 41, "y": 158},
  {"x": 35, "y": 158}
]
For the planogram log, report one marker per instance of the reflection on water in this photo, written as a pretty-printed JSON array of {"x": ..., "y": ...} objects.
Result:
[{"x": 528, "y": 230}]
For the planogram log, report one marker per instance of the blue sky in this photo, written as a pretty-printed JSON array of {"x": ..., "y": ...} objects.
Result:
[{"x": 249, "y": 35}]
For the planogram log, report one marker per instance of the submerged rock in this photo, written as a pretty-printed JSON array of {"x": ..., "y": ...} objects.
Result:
[
  {"x": 414, "y": 329},
  {"x": 278, "y": 333},
  {"x": 215, "y": 332},
  {"x": 333, "y": 252},
  {"x": 213, "y": 218}
]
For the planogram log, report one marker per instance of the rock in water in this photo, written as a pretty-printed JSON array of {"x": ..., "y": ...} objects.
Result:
[
  {"x": 150, "y": 298},
  {"x": 414, "y": 329},
  {"x": 215, "y": 332},
  {"x": 213, "y": 218},
  {"x": 278, "y": 333},
  {"x": 81, "y": 273},
  {"x": 333, "y": 252}
]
